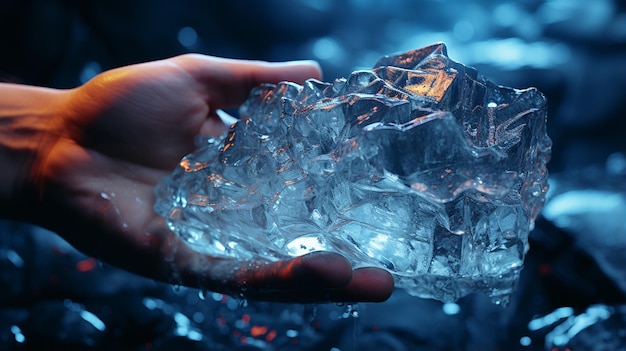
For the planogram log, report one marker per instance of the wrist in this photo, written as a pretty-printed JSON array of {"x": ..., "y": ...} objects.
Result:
[{"x": 28, "y": 128}]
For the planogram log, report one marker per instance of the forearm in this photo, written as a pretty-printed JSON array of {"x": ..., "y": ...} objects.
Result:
[{"x": 27, "y": 122}]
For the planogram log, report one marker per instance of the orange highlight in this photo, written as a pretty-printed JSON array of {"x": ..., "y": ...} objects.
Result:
[
  {"x": 258, "y": 330},
  {"x": 86, "y": 265},
  {"x": 271, "y": 335}
]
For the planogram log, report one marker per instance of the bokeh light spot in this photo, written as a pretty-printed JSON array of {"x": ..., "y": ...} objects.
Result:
[
  {"x": 91, "y": 69},
  {"x": 451, "y": 308},
  {"x": 325, "y": 48},
  {"x": 463, "y": 30},
  {"x": 187, "y": 37}
]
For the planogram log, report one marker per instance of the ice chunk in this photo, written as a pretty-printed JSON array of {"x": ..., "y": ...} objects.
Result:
[{"x": 419, "y": 166}]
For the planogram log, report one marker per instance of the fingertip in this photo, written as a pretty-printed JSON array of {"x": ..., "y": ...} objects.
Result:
[
  {"x": 370, "y": 285},
  {"x": 329, "y": 268}
]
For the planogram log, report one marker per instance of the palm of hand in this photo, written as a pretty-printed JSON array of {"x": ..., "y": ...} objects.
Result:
[{"x": 122, "y": 132}]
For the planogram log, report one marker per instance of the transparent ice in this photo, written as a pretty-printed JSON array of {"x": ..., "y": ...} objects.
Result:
[{"x": 419, "y": 166}]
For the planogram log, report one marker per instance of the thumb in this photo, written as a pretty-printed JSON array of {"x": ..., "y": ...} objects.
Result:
[{"x": 229, "y": 81}]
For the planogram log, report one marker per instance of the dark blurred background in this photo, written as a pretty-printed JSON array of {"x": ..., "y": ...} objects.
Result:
[{"x": 572, "y": 291}]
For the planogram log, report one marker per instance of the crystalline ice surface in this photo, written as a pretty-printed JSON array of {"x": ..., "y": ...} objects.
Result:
[{"x": 420, "y": 166}]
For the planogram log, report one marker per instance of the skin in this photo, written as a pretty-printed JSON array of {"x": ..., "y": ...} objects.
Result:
[{"x": 83, "y": 162}]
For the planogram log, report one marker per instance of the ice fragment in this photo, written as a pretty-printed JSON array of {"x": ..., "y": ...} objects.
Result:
[{"x": 419, "y": 166}]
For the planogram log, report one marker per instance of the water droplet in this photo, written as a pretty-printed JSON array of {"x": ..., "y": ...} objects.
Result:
[
  {"x": 616, "y": 164},
  {"x": 150, "y": 303},
  {"x": 202, "y": 294},
  {"x": 232, "y": 304},
  {"x": 187, "y": 37},
  {"x": 451, "y": 308},
  {"x": 17, "y": 332},
  {"x": 14, "y": 258},
  {"x": 243, "y": 303},
  {"x": 198, "y": 317},
  {"x": 93, "y": 320},
  {"x": 351, "y": 311}
]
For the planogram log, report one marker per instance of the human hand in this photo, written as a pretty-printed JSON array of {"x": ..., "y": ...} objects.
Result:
[{"x": 117, "y": 136}]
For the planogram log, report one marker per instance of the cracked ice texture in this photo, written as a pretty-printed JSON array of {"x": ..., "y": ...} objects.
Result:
[{"x": 419, "y": 166}]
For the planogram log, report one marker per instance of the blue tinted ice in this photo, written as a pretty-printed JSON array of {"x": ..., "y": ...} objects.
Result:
[{"x": 419, "y": 166}]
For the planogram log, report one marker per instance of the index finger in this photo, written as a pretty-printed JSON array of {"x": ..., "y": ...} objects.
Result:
[{"x": 229, "y": 81}]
